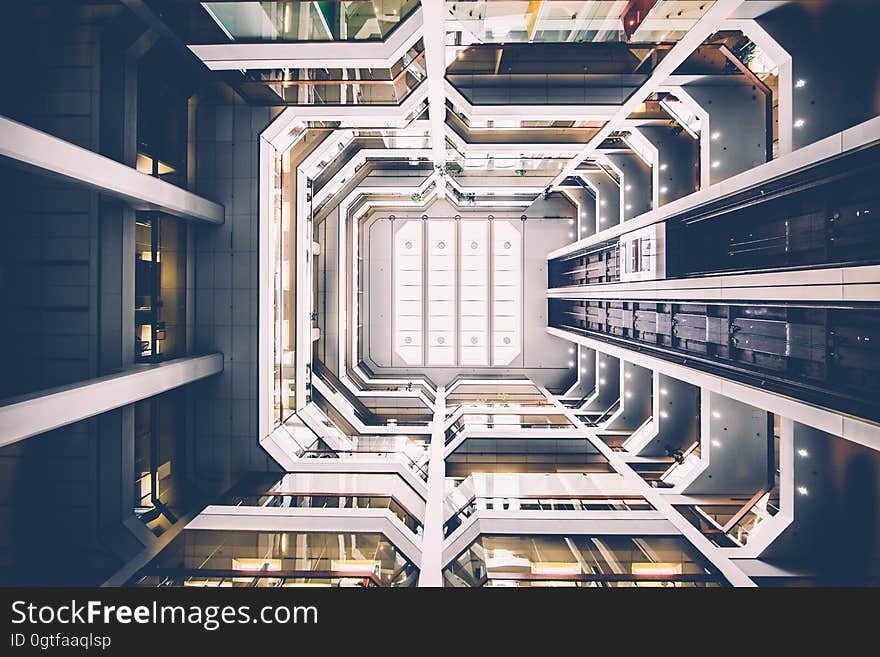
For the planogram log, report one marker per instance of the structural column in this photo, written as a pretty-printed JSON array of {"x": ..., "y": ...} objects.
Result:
[{"x": 431, "y": 572}]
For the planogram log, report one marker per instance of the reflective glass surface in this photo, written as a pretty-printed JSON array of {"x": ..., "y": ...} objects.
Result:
[
  {"x": 247, "y": 558},
  {"x": 592, "y": 561},
  {"x": 309, "y": 21},
  {"x": 488, "y": 21}
]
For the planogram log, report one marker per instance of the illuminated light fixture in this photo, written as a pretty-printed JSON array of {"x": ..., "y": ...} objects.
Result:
[
  {"x": 664, "y": 391},
  {"x": 799, "y": 123},
  {"x": 627, "y": 376},
  {"x": 571, "y": 234},
  {"x": 628, "y": 395},
  {"x": 601, "y": 220},
  {"x": 500, "y": 558},
  {"x": 601, "y": 202},
  {"x": 802, "y": 490},
  {"x": 629, "y": 207},
  {"x": 803, "y": 452},
  {"x": 662, "y": 167},
  {"x": 571, "y": 363},
  {"x": 716, "y": 414},
  {"x": 555, "y": 568},
  {"x": 355, "y": 566},
  {"x": 571, "y": 222},
  {"x": 306, "y": 585},
  {"x": 213, "y": 583},
  {"x": 716, "y": 164},
  {"x": 571, "y": 350},
  {"x": 716, "y": 135},
  {"x": 583, "y": 370},
  {"x": 664, "y": 414},
  {"x": 658, "y": 568},
  {"x": 602, "y": 381},
  {"x": 602, "y": 364},
  {"x": 800, "y": 84},
  {"x": 254, "y": 564},
  {"x": 716, "y": 443},
  {"x": 628, "y": 187},
  {"x": 664, "y": 189},
  {"x": 584, "y": 229},
  {"x": 144, "y": 164}
]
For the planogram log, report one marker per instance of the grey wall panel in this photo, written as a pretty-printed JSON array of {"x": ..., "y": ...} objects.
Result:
[
  {"x": 227, "y": 142},
  {"x": 738, "y": 449}
]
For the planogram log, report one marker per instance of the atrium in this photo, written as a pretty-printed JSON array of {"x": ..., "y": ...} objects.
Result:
[{"x": 450, "y": 293}]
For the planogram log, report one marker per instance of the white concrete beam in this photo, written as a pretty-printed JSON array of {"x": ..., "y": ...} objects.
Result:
[
  {"x": 434, "y": 39},
  {"x": 310, "y": 54},
  {"x": 706, "y": 26},
  {"x": 840, "y": 284},
  {"x": 851, "y": 139},
  {"x": 60, "y": 158},
  {"x": 863, "y": 432},
  {"x": 36, "y": 413}
]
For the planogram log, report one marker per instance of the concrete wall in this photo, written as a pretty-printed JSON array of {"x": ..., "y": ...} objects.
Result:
[
  {"x": 738, "y": 114},
  {"x": 831, "y": 45},
  {"x": 679, "y": 428},
  {"x": 835, "y": 535},
  {"x": 679, "y": 152},
  {"x": 48, "y": 515},
  {"x": 50, "y": 252},
  {"x": 225, "y": 441},
  {"x": 637, "y": 182},
  {"x": 736, "y": 446},
  {"x": 327, "y": 292}
]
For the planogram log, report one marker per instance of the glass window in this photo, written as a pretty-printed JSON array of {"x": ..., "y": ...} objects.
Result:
[
  {"x": 160, "y": 287},
  {"x": 357, "y": 20},
  {"x": 591, "y": 561},
  {"x": 159, "y": 452},
  {"x": 278, "y": 559}
]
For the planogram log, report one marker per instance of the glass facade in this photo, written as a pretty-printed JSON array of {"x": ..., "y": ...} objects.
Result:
[
  {"x": 358, "y": 20},
  {"x": 160, "y": 287},
  {"x": 284, "y": 295},
  {"x": 581, "y": 561},
  {"x": 336, "y": 86},
  {"x": 606, "y": 20},
  {"x": 160, "y": 486},
  {"x": 278, "y": 559}
]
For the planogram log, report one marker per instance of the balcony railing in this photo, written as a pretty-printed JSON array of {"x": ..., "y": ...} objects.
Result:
[
  {"x": 540, "y": 502},
  {"x": 486, "y": 422},
  {"x": 312, "y": 500},
  {"x": 420, "y": 467}
]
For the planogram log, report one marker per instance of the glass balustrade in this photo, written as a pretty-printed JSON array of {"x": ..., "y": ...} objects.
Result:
[
  {"x": 358, "y": 20},
  {"x": 510, "y": 421},
  {"x": 543, "y": 502},
  {"x": 278, "y": 559},
  {"x": 282, "y": 499},
  {"x": 588, "y": 561}
]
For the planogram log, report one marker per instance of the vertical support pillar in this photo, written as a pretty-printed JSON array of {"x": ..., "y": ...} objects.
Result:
[{"x": 431, "y": 571}]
